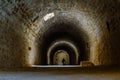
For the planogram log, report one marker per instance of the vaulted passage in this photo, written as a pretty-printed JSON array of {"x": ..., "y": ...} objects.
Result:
[
  {"x": 61, "y": 57},
  {"x": 59, "y": 32},
  {"x": 63, "y": 44}
]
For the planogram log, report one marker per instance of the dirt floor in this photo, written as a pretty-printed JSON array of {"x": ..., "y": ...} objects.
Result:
[{"x": 61, "y": 73}]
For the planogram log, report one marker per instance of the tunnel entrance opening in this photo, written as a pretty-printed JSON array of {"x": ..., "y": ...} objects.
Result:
[
  {"x": 66, "y": 47},
  {"x": 65, "y": 37},
  {"x": 61, "y": 57}
]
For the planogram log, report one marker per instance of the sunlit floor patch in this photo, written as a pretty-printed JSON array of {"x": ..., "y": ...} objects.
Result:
[{"x": 56, "y": 66}]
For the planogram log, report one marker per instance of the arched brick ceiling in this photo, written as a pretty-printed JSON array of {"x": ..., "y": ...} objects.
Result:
[{"x": 22, "y": 23}]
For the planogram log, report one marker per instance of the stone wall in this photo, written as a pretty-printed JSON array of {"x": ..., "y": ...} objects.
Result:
[{"x": 23, "y": 22}]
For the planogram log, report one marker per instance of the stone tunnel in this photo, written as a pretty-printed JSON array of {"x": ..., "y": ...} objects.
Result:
[{"x": 55, "y": 32}]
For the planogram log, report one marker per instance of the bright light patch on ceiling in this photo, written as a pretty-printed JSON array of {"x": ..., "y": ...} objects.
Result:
[{"x": 49, "y": 16}]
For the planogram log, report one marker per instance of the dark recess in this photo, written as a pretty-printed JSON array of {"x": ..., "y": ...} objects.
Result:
[
  {"x": 63, "y": 31},
  {"x": 108, "y": 26}
]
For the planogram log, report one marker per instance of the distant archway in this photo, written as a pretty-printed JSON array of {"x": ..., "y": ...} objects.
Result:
[
  {"x": 61, "y": 57},
  {"x": 66, "y": 47},
  {"x": 67, "y": 33}
]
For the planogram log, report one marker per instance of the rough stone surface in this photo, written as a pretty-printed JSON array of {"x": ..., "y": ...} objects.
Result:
[{"x": 22, "y": 25}]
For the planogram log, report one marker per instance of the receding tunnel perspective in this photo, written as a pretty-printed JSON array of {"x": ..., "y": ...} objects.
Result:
[
  {"x": 64, "y": 48},
  {"x": 60, "y": 39},
  {"x": 63, "y": 43},
  {"x": 35, "y": 33}
]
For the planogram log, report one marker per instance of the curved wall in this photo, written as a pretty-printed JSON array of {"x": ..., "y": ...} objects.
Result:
[{"x": 22, "y": 24}]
